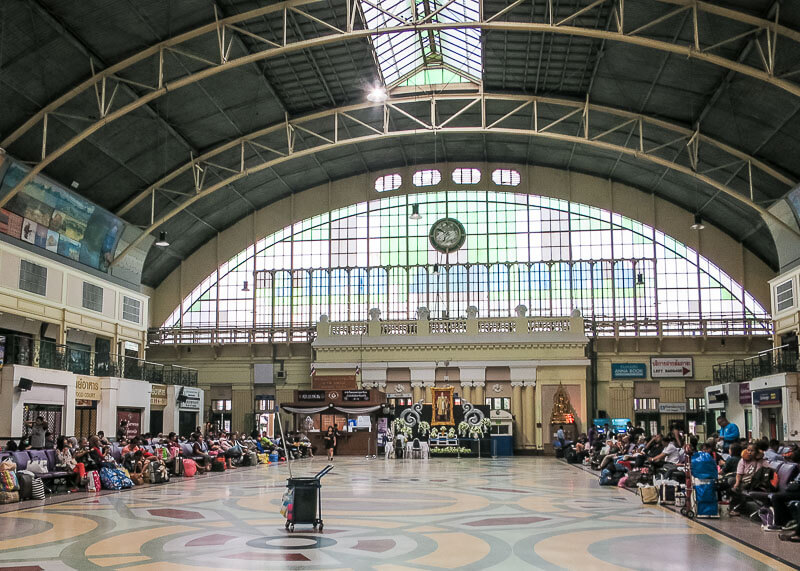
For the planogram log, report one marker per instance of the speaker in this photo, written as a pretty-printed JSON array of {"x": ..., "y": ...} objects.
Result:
[{"x": 25, "y": 384}]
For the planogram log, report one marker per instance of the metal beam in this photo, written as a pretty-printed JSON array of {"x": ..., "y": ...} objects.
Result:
[
  {"x": 322, "y": 124},
  {"x": 333, "y": 35},
  {"x": 672, "y": 131}
]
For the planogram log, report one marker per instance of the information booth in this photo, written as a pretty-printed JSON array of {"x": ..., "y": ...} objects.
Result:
[{"x": 353, "y": 412}]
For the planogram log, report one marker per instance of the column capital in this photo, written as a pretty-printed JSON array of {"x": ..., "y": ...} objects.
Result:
[
  {"x": 517, "y": 383},
  {"x": 467, "y": 383}
]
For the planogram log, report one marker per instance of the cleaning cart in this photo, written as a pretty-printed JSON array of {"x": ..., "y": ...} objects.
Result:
[{"x": 303, "y": 500}]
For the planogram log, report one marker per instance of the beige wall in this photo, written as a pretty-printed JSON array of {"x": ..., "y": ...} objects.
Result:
[{"x": 730, "y": 255}]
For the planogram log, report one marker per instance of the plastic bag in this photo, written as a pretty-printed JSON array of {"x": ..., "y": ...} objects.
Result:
[
  {"x": 287, "y": 502},
  {"x": 703, "y": 466}
]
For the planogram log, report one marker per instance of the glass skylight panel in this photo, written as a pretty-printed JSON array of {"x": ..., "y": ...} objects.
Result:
[{"x": 402, "y": 56}]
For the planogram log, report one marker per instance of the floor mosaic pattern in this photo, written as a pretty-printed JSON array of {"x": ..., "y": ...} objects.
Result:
[{"x": 514, "y": 513}]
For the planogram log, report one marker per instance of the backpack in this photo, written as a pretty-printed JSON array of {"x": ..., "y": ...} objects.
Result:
[
  {"x": 571, "y": 456},
  {"x": 25, "y": 480},
  {"x": 609, "y": 478},
  {"x": 767, "y": 516},
  {"x": 158, "y": 473}
]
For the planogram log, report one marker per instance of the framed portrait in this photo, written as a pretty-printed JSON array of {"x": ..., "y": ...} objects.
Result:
[{"x": 442, "y": 406}]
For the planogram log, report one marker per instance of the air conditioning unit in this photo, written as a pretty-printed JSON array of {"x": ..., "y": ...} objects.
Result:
[{"x": 280, "y": 375}]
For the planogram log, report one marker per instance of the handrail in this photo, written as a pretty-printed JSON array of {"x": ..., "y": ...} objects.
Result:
[
  {"x": 45, "y": 354},
  {"x": 767, "y": 362}
]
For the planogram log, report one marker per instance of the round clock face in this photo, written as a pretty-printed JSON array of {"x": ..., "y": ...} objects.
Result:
[{"x": 447, "y": 235}]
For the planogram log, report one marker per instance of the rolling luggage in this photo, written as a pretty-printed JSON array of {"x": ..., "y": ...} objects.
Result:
[
  {"x": 176, "y": 466},
  {"x": 25, "y": 485}
]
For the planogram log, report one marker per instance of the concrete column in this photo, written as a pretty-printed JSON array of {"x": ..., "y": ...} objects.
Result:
[
  {"x": 528, "y": 416},
  {"x": 516, "y": 410},
  {"x": 421, "y": 378}
]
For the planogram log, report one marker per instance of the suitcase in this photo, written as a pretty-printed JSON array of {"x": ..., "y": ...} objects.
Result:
[
  {"x": 158, "y": 473},
  {"x": 189, "y": 468},
  {"x": 666, "y": 494},
  {"x": 176, "y": 467},
  {"x": 9, "y": 497},
  {"x": 25, "y": 485}
]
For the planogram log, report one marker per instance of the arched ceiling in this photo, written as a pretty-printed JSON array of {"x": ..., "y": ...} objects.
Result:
[{"x": 187, "y": 115}]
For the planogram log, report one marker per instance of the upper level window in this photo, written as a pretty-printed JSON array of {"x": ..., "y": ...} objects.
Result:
[
  {"x": 784, "y": 296},
  {"x": 92, "y": 297},
  {"x": 388, "y": 182},
  {"x": 131, "y": 309},
  {"x": 466, "y": 176},
  {"x": 506, "y": 177},
  {"x": 428, "y": 177},
  {"x": 32, "y": 277}
]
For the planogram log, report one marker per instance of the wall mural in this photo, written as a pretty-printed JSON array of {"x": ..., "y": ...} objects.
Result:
[{"x": 58, "y": 220}]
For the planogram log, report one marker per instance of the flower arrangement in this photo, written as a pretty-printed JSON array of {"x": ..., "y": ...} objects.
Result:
[
  {"x": 400, "y": 426},
  {"x": 424, "y": 428},
  {"x": 463, "y": 428},
  {"x": 452, "y": 432}
]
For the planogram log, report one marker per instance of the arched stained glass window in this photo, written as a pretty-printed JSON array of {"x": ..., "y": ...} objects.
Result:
[{"x": 550, "y": 255}]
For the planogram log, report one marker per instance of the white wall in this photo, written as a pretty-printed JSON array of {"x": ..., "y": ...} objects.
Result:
[
  {"x": 49, "y": 387},
  {"x": 122, "y": 393}
]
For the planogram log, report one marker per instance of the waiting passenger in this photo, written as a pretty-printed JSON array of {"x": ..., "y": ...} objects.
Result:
[
  {"x": 752, "y": 460},
  {"x": 67, "y": 463},
  {"x": 771, "y": 454}
]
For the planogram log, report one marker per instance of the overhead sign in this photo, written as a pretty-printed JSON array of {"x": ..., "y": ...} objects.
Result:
[
  {"x": 628, "y": 371},
  {"x": 671, "y": 367},
  {"x": 313, "y": 396},
  {"x": 360, "y": 395},
  {"x": 158, "y": 395},
  {"x": 767, "y": 397},
  {"x": 672, "y": 408},
  {"x": 87, "y": 388}
]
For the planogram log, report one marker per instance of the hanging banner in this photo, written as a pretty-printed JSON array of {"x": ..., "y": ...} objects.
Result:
[
  {"x": 87, "y": 388},
  {"x": 745, "y": 396}
]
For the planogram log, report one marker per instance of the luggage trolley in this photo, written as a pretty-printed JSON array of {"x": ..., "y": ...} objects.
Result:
[{"x": 306, "y": 504}]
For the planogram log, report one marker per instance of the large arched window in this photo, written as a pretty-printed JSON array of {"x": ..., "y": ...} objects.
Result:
[{"x": 548, "y": 254}]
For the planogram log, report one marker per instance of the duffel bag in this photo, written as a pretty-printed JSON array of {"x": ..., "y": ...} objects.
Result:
[
  {"x": 218, "y": 465},
  {"x": 124, "y": 478},
  {"x": 9, "y": 497},
  {"x": 158, "y": 473},
  {"x": 189, "y": 467},
  {"x": 109, "y": 479},
  {"x": 25, "y": 480},
  {"x": 8, "y": 481}
]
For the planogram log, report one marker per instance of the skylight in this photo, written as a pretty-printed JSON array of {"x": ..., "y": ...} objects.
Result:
[{"x": 409, "y": 58}]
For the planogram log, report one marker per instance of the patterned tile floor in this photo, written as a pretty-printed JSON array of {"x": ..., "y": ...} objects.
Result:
[{"x": 515, "y": 513}]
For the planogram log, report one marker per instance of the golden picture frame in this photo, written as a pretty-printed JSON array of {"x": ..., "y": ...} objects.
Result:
[{"x": 442, "y": 402}]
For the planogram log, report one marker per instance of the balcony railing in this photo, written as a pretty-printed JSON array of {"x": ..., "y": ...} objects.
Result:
[
  {"x": 46, "y": 354},
  {"x": 669, "y": 327},
  {"x": 779, "y": 360}
]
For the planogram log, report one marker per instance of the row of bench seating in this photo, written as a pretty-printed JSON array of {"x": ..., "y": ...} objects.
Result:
[{"x": 22, "y": 457}]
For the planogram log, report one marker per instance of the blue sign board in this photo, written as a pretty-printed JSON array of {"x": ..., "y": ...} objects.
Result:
[
  {"x": 628, "y": 371},
  {"x": 768, "y": 397}
]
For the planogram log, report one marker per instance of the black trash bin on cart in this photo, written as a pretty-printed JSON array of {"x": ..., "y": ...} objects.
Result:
[{"x": 306, "y": 507}]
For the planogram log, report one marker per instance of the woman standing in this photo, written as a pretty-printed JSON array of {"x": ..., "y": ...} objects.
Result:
[{"x": 330, "y": 442}]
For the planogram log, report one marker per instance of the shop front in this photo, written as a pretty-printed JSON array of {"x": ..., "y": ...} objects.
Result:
[
  {"x": 87, "y": 397},
  {"x": 158, "y": 402},
  {"x": 353, "y": 413},
  {"x": 123, "y": 399},
  {"x": 30, "y": 392},
  {"x": 776, "y": 407},
  {"x": 734, "y": 400}
]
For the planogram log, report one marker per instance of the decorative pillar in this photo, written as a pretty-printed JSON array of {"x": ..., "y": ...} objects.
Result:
[
  {"x": 516, "y": 410},
  {"x": 528, "y": 416},
  {"x": 478, "y": 392},
  {"x": 466, "y": 393},
  {"x": 416, "y": 388}
]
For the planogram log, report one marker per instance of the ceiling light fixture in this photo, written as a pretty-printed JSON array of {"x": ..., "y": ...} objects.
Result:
[
  {"x": 377, "y": 95},
  {"x": 435, "y": 269},
  {"x": 698, "y": 223},
  {"x": 415, "y": 215},
  {"x": 162, "y": 240},
  {"x": 245, "y": 286},
  {"x": 639, "y": 279}
]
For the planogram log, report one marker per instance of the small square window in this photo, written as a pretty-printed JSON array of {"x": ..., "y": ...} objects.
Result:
[
  {"x": 92, "y": 297},
  {"x": 32, "y": 278}
]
